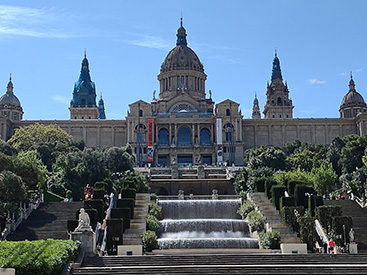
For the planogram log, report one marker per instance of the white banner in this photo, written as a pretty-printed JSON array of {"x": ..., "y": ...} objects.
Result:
[{"x": 219, "y": 141}]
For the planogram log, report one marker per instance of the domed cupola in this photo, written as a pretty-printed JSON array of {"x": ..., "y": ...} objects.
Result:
[
  {"x": 10, "y": 105},
  {"x": 353, "y": 102},
  {"x": 182, "y": 70}
]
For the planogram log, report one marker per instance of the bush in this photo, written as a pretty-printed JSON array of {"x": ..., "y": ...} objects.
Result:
[
  {"x": 313, "y": 202},
  {"x": 153, "y": 197},
  {"x": 152, "y": 223},
  {"x": 256, "y": 221},
  {"x": 114, "y": 235},
  {"x": 270, "y": 240},
  {"x": 277, "y": 192},
  {"x": 127, "y": 202},
  {"x": 307, "y": 231},
  {"x": 128, "y": 193},
  {"x": 259, "y": 184},
  {"x": 325, "y": 213},
  {"x": 99, "y": 193},
  {"x": 299, "y": 194},
  {"x": 246, "y": 208},
  {"x": 149, "y": 241},
  {"x": 268, "y": 184},
  {"x": 286, "y": 201},
  {"x": 122, "y": 213},
  {"x": 101, "y": 185},
  {"x": 155, "y": 210},
  {"x": 97, "y": 204},
  {"x": 289, "y": 217}
]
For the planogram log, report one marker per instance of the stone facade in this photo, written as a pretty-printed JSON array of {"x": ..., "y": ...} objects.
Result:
[{"x": 180, "y": 125}]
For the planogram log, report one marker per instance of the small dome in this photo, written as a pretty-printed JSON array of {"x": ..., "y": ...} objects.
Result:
[
  {"x": 9, "y": 100},
  {"x": 353, "y": 97}
]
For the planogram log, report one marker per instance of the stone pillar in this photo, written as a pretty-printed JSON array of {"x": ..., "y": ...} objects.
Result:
[
  {"x": 87, "y": 241},
  {"x": 201, "y": 172}
]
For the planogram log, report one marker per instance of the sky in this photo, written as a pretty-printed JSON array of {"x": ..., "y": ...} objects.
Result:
[{"x": 319, "y": 43}]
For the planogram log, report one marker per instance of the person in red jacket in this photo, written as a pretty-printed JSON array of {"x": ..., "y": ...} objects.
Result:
[{"x": 332, "y": 247}]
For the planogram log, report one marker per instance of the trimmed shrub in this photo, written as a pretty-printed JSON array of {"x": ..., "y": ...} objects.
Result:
[
  {"x": 114, "y": 235},
  {"x": 259, "y": 184},
  {"x": 270, "y": 240},
  {"x": 150, "y": 241},
  {"x": 122, "y": 213},
  {"x": 127, "y": 202},
  {"x": 101, "y": 185},
  {"x": 277, "y": 192},
  {"x": 289, "y": 217},
  {"x": 307, "y": 231},
  {"x": 337, "y": 223},
  {"x": 291, "y": 186},
  {"x": 98, "y": 205},
  {"x": 246, "y": 208},
  {"x": 256, "y": 221},
  {"x": 299, "y": 194},
  {"x": 98, "y": 194},
  {"x": 313, "y": 202},
  {"x": 325, "y": 213},
  {"x": 152, "y": 223},
  {"x": 268, "y": 184},
  {"x": 153, "y": 197},
  {"x": 93, "y": 216},
  {"x": 286, "y": 201},
  {"x": 128, "y": 193},
  {"x": 155, "y": 210}
]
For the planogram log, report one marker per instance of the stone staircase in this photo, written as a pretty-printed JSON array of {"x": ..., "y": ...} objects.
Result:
[
  {"x": 48, "y": 221},
  {"x": 225, "y": 264},
  {"x": 272, "y": 217},
  {"x": 359, "y": 217},
  {"x": 132, "y": 236}
]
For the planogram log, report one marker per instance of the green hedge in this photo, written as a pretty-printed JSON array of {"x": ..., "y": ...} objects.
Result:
[
  {"x": 155, "y": 210},
  {"x": 98, "y": 193},
  {"x": 325, "y": 213},
  {"x": 307, "y": 231},
  {"x": 289, "y": 217},
  {"x": 270, "y": 240},
  {"x": 259, "y": 184},
  {"x": 101, "y": 185},
  {"x": 268, "y": 184},
  {"x": 122, "y": 213},
  {"x": 286, "y": 201},
  {"x": 312, "y": 200},
  {"x": 115, "y": 228},
  {"x": 150, "y": 241},
  {"x": 256, "y": 221},
  {"x": 127, "y": 202},
  {"x": 291, "y": 186},
  {"x": 41, "y": 257},
  {"x": 246, "y": 208},
  {"x": 52, "y": 197},
  {"x": 277, "y": 191},
  {"x": 97, "y": 204},
  {"x": 152, "y": 223},
  {"x": 299, "y": 194},
  {"x": 128, "y": 193},
  {"x": 337, "y": 223}
]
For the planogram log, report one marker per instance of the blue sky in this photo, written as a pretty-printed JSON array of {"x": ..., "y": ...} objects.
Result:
[{"x": 42, "y": 45}]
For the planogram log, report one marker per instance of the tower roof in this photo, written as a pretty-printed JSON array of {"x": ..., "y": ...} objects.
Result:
[
  {"x": 181, "y": 35},
  {"x": 9, "y": 100},
  {"x": 352, "y": 98},
  {"x": 276, "y": 71}
]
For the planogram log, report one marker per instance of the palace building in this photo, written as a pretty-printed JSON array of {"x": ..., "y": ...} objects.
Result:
[{"x": 183, "y": 125}]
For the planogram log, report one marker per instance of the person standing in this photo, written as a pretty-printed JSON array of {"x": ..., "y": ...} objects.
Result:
[{"x": 332, "y": 247}]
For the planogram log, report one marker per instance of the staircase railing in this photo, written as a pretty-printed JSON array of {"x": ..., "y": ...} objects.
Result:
[
  {"x": 23, "y": 213},
  {"x": 108, "y": 214},
  {"x": 321, "y": 233}
]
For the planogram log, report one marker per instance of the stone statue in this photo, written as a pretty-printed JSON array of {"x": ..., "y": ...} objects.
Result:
[
  {"x": 84, "y": 221},
  {"x": 154, "y": 94},
  {"x": 210, "y": 94},
  {"x": 181, "y": 195},
  {"x": 351, "y": 235},
  {"x": 215, "y": 194}
]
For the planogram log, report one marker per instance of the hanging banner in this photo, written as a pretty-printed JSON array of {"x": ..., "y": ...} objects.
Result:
[
  {"x": 150, "y": 140},
  {"x": 219, "y": 141}
]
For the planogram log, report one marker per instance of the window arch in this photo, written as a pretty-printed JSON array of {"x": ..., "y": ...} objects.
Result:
[
  {"x": 163, "y": 137},
  {"x": 184, "y": 136},
  {"x": 140, "y": 112},
  {"x": 229, "y": 129},
  {"x": 140, "y": 130},
  {"x": 204, "y": 136},
  {"x": 279, "y": 101},
  {"x": 228, "y": 112}
]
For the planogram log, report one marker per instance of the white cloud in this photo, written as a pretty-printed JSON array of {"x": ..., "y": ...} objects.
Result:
[
  {"x": 62, "y": 99},
  {"x": 151, "y": 41},
  {"x": 316, "y": 81},
  {"x": 33, "y": 22}
]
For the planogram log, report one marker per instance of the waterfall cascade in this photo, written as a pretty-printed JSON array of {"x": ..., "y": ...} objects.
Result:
[{"x": 203, "y": 224}]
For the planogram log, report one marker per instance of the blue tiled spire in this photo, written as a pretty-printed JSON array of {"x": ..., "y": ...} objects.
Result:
[
  {"x": 276, "y": 71},
  {"x": 181, "y": 35},
  {"x": 84, "y": 93}
]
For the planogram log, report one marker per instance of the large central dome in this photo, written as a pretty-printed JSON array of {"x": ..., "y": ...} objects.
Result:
[{"x": 182, "y": 57}]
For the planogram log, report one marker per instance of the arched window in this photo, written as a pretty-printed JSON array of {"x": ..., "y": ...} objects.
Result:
[
  {"x": 204, "y": 136},
  {"x": 163, "y": 137},
  {"x": 140, "y": 130},
  {"x": 229, "y": 129},
  {"x": 279, "y": 101},
  {"x": 228, "y": 112},
  {"x": 140, "y": 113},
  {"x": 184, "y": 136}
]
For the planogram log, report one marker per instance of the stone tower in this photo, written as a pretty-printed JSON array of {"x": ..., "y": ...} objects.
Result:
[
  {"x": 10, "y": 105},
  {"x": 83, "y": 105},
  {"x": 352, "y": 103},
  {"x": 256, "y": 109},
  {"x": 278, "y": 105},
  {"x": 101, "y": 110}
]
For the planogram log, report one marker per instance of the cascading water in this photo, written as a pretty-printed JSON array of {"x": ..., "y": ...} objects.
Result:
[{"x": 203, "y": 224}]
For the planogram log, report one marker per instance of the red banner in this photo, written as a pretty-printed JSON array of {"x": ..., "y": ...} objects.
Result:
[{"x": 150, "y": 140}]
